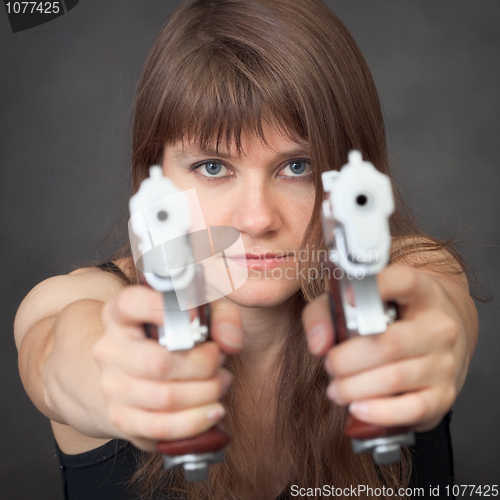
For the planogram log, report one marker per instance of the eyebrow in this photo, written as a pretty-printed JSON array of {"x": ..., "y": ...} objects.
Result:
[
  {"x": 185, "y": 152},
  {"x": 194, "y": 151}
]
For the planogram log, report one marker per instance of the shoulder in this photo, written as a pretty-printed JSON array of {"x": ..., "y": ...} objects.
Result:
[
  {"x": 51, "y": 296},
  {"x": 431, "y": 256},
  {"x": 125, "y": 265}
]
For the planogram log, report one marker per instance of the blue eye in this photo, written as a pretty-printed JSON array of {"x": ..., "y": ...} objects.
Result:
[
  {"x": 298, "y": 168},
  {"x": 212, "y": 169}
]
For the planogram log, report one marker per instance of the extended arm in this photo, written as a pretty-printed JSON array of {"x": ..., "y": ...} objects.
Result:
[{"x": 85, "y": 362}]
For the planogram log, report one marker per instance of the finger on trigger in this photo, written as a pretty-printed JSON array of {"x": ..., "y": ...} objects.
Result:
[
  {"x": 226, "y": 329},
  {"x": 318, "y": 325},
  {"x": 136, "y": 304}
]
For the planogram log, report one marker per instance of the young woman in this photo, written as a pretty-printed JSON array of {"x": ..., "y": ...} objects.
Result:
[{"x": 248, "y": 102}]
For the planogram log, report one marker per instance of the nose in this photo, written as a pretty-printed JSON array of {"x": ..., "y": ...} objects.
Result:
[{"x": 257, "y": 210}]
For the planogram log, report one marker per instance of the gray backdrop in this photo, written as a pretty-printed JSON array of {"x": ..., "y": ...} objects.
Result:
[{"x": 65, "y": 99}]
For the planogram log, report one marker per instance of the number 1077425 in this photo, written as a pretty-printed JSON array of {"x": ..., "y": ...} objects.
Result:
[
  {"x": 469, "y": 490},
  {"x": 33, "y": 7}
]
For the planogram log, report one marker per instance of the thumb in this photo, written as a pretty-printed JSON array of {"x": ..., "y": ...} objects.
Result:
[{"x": 225, "y": 328}]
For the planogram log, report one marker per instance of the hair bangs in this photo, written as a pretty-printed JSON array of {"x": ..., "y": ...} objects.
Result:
[{"x": 223, "y": 92}]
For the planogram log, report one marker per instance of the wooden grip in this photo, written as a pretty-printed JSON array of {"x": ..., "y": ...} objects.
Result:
[
  {"x": 356, "y": 429},
  {"x": 212, "y": 440}
]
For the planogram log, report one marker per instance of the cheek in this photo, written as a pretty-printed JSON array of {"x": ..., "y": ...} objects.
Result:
[
  {"x": 217, "y": 210},
  {"x": 299, "y": 215}
]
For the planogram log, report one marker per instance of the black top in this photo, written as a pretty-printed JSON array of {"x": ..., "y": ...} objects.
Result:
[
  {"x": 104, "y": 473},
  {"x": 113, "y": 269}
]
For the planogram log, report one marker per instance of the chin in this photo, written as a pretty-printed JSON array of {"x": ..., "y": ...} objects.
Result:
[{"x": 263, "y": 293}]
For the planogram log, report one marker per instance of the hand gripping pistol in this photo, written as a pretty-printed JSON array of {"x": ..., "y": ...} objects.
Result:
[{"x": 356, "y": 211}]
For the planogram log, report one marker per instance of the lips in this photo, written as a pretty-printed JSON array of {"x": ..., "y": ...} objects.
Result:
[{"x": 267, "y": 260}]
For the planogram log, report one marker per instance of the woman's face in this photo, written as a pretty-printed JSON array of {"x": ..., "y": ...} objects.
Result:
[{"x": 267, "y": 194}]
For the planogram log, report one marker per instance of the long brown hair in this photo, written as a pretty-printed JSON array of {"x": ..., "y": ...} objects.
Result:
[{"x": 218, "y": 69}]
